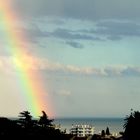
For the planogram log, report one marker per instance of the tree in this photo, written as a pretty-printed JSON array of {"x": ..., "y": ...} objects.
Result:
[
  {"x": 96, "y": 137},
  {"x": 103, "y": 133},
  {"x": 107, "y": 131},
  {"x": 132, "y": 126},
  {"x": 8, "y": 128},
  {"x": 25, "y": 119},
  {"x": 44, "y": 121}
]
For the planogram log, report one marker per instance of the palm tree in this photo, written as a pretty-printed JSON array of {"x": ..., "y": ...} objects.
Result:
[
  {"x": 44, "y": 121},
  {"x": 132, "y": 126}
]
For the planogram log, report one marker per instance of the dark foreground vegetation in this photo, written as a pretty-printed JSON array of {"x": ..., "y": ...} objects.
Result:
[
  {"x": 131, "y": 129},
  {"x": 25, "y": 127}
]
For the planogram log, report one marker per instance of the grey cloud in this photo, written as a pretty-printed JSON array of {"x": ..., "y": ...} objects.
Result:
[
  {"x": 82, "y": 9},
  {"x": 74, "y": 44},
  {"x": 32, "y": 33},
  {"x": 35, "y": 31},
  {"x": 113, "y": 71},
  {"x": 115, "y": 29},
  {"x": 118, "y": 28},
  {"x": 68, "y": 34},
  {"x": 114, "y": 37},
  {"x": 131, "y": 71},
  {"x": 122, "y": 71},
  {"x": 106, "y": 72},
  {"x": 110, "y": 29},
  {"x": 52, "y": 20},
  {"x": 57, "y": 21}
]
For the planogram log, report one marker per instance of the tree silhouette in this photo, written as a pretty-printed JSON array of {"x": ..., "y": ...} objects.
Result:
[
  {"x": 25, "y": 119},
  {"x": 132, "y": 126},
  {"x": 44, "y": 121},
  {"x": 103, "y": 133},
  {"x": 8, "y": 128},
  {"x": 107, "y": 131},
  {"x": 96, "y": 137},
  {"x": 26, "y": 128}
]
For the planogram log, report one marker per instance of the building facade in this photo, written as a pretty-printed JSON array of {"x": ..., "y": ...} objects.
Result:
[{"x": 82, "y": 130}]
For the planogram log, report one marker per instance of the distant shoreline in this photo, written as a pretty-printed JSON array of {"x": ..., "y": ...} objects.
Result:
[{"x": 115, "y": 124}]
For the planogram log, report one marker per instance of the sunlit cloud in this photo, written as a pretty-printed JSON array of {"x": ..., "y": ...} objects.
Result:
[
  {"x": 64, "y": 92},
  {"x": 43, "y": 64}
]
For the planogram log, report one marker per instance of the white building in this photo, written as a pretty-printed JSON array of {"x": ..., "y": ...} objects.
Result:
[{"x": 82, "y": 130}]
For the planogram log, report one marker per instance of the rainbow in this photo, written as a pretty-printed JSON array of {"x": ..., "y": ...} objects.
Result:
[{"x": 29, "y": 80}]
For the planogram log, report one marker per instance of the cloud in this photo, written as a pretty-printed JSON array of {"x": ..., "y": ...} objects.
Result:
[
  {"x": 122, "y": 71},
  {"x": 101, "y": 30},
  {"x": 114, "y": 71},
  {"x": 35, "y": 31},
  {"x": 110, "y": 29},
  {"x": 74, "y": 44},
  {"x": 43, "y": 64},
  {"x": 56, "y": 21},
  {"x": 71, "y": 35},
  {"x": 83, "y": 71},
  {"x": 32, "y": 32},
  {"x": 132, "y": 71},
  {"x": 118, "y": 29},
  {"x": 114, "y": 37},
  {"x": 114, "y": 29},
  {"x": 13, "y": 64},
  {"x": 63, "y": 92},
  {"x": 89, "y": 9}
]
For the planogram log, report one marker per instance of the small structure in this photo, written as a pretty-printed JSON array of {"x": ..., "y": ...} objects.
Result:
[{"x": 82, "y": 130}]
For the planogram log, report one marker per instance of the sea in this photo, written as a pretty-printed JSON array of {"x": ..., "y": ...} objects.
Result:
[{"x": 115, "y": 125}]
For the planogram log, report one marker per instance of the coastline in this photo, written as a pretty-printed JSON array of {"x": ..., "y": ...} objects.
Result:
[{"x": 115, "y": 124}]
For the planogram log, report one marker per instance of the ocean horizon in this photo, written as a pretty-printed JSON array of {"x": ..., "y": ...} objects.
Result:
[{"x": 115, "y": 124}]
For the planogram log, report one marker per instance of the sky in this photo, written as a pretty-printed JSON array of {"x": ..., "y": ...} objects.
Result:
[{"x": 87, "y": 52}]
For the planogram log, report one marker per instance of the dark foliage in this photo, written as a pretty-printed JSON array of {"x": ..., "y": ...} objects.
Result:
[
  {"x": 25, "y": 120},
  {"x": 103, "y": 133},
  {"x": 132, "y": 126},
  {"x": 44, "y": 121},
  {"x": 99, "y": 137},
  {"x": 26, "y": 127},
  {"x": 107, "y": 131}
]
